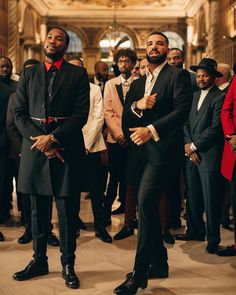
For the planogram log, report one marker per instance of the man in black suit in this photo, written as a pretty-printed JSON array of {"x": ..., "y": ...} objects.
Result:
[
  {"x": 5, "y": 92},
  {"x": 203, "y": 137},
  {"x": 52, "y": 106},
  {"x": 6, "y": 72},
  {"x": 157, "y": 106}
]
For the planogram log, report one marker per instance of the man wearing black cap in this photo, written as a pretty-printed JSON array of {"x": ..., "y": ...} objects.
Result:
[{"x": 203, "y": 146}]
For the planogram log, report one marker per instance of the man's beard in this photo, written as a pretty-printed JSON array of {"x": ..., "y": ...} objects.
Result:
[
  {"x": 5, "y": 78},
  {"x": 54, "y": 55},
  {"x": 156, "y": 60},
  {"x": 101, "y": 78}
]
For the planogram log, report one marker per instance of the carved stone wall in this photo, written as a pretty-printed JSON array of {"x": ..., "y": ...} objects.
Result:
[{"x": 3, "y": 27}]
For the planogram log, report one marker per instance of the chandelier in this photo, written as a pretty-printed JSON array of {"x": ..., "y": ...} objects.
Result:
[{"x": 114, "y": 37}]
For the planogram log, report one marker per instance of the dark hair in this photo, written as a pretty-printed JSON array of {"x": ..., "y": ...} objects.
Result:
[
  {"x": 161, "y": 34},
  {"x": 76, "y": 58},
  {"x": 7, "y": 58},
  {"x": 59, "y": 28},
  {"x": 131, "y": 54},
  {"x": 181, "y": 51},
  {"x": 31, "y": 62}
]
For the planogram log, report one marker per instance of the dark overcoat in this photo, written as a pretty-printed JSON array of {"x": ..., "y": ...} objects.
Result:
[{"x": 38, "y": 174}]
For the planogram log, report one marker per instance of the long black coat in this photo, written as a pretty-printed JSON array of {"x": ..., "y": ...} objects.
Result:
[
  {"x": 39, "y": 175},
  {"x": 174, "y": 97}
]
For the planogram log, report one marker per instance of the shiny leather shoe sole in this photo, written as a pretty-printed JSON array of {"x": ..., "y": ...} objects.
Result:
[
  {"x": 25, "y": 277},
  {"x": 126, "y": 289}
]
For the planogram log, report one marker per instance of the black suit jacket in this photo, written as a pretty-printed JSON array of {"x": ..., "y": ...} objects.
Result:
[
  {"x": 5, "y": 92},
  {"x": 174, "y": 97},
  {"x": 204, "y": 129},
  {"x": 39, "y": 175}
]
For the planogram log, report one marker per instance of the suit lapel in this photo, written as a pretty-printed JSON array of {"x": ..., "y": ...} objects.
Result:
[
  {"x": 207, "y": 101},
  {"x": 42, "y": 79},
  {"x": 162, "y": 79},
  {"x": 61, "y": 76},
  {"x": 120, "y": 92}
]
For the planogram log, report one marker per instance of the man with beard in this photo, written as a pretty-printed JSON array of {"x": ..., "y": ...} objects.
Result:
[
  {"x": 51, "y": 108},
  {"x": 6, "y": 72},
  {"x": 101, "y": 75},
  {"x": 157, "y": 106},
  {"x": 203, "y": 137}
]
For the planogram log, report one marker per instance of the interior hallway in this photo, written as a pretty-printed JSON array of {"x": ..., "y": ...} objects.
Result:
[{"x": 101, "y": 267}]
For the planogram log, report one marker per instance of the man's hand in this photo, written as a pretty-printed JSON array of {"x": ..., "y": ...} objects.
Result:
[
  {"x": 42, "y": 142},
  {"x": 52, "y": 153},
  {"x": 232, "y": 143},
  {"x": 195, "y": 158},
  {"x": 140, "y": 135},
  {"x": 147, "y": 102},
  {"x": 187, "y": 149},
  {"x": 121, "y": 139}
]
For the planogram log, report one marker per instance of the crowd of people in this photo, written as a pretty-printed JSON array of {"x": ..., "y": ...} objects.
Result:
[{"x": 152, "y": 135}]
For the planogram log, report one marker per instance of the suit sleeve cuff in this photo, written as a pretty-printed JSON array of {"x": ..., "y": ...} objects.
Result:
[
  {"x": 193, "y": 147},
  {"x": 134, "y": 110},
  {"x": 155, "y": 135}
]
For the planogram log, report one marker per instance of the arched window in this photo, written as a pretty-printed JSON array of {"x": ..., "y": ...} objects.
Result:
[
  {"x": 75, "y": 45},
  {"x": 175, "y": 40}
]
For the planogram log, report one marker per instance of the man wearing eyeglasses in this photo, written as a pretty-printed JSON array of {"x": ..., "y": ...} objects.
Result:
[{"x": 114, "y": 98}]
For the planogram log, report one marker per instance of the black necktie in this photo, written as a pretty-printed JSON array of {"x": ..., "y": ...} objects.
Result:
[{"x": 51, "y": 75}]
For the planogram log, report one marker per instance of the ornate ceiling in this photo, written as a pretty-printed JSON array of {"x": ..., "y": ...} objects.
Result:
[{"x": 102, "y": 8}]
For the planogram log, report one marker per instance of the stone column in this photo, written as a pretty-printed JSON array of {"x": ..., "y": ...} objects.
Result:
[
  {"x": 3, "y": 27},
  {"x": 212, "y": 47},
  {"x": 90, "y": 56},
  {"x": 13, "y": 34},
  {"x": 189, "y": 47}
]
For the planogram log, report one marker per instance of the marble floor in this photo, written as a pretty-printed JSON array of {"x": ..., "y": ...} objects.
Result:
[{"x": 101, "y": 267}]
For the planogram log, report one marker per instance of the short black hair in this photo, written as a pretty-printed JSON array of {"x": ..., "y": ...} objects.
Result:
[
  {"x": 181, "y": 51},
  {"x": 159, "y": 33},
  {"x": 59, "y": 28},
  {"x": 130, "y": 53},
  {"x": 30, "y": 62},
  {"x": 7, "y": 58}
]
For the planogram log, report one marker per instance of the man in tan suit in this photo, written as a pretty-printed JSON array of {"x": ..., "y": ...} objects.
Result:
[{"x": 114, "y": 98}]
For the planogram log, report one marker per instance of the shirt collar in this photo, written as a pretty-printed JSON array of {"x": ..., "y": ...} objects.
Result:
[
  {"x": 223, "y": 86},
  {"x": 56, "y": 64},
  {"x": 156, "y": 71},
  {"x": 207, "y": 90},
  {"x": 129, "y": 80}
]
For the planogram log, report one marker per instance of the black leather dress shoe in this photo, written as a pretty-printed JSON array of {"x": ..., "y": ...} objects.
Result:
[
  {"x": 53, "y": 240},
  {"x": 212, "y": 248},
  {"x": 228, "y": 251},
  {"x": 102, "y": 234},
  {"x": 1, "y": 237},
  {"x": 167, "y": 237},
  {"x": 131, "y": 285},
  {"x": 227, "y": 226},
  {"x": 33, "y": 269},
  {"x": 125, "y": 232},
  {"x": 71, "y": 279},
  {"x": 187, "y": 237},
  {"x": 119, "y": 210},
  {"x": 155, "y": 272},
  {"x": 25, "y": 238}
]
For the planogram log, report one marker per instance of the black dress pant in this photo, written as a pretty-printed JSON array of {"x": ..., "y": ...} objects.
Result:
[
  {"x": 205, "y": 193},
  {"x": 94, "y": 172},
  {"x": 150, "y": 247},
  {"x": 41, "y": 216},
  {"x": 117, "y": 167}
]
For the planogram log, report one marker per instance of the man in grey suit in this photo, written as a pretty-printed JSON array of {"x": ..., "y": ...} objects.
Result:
[
  {"x": 203, "y": 146},
  {"x": 157, "y": 106}
]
